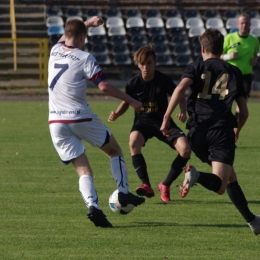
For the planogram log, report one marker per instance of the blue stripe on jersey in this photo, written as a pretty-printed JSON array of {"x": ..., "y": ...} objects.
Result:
[{"x": 98, "y": 77}]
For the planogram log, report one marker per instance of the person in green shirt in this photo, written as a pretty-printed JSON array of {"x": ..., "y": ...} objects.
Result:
[{"x": 240, "y": 49}]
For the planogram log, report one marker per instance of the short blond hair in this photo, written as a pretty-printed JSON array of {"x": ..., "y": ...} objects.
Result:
[{"x": 75, "y": 28}]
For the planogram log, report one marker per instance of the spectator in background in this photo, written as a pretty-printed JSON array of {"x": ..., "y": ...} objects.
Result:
[{"x": 240, "y": 49}]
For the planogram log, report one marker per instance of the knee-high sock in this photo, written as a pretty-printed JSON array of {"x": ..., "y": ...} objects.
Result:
[
  {"x": 237, "y": 196},
  {"x": 87, "y": 190},
  {"x": 139, "y": 164},
  {"x": 119, "y": 172},
  {"x": 176, "y": 168},
  {"x": 210, "y": 181}
]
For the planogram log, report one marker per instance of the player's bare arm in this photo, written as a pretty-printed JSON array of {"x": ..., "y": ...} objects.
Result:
[
  {"x": 113, "y": 91},
  {"x": 177, "y": 96},
  {"x": 183, "y": 110},
  {"x": 119, "y": 111},
  {"x": 254, "y": 61},
  {"x": 241, "y": 103}
]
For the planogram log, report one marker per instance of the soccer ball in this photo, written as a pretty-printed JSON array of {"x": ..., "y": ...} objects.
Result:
[{"x": 116, "y": 207}]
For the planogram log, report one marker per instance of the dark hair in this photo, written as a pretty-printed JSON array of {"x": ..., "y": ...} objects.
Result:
[
  {"x": 212, "y": 40},
  {"x": 143, "y": 53},
  {"x": 75, "y": 28}
]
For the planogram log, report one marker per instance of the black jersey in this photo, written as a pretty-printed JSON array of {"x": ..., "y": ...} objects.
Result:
[
  {"x": 216, "y": 84},
  {"x": 153, "y": 95}
]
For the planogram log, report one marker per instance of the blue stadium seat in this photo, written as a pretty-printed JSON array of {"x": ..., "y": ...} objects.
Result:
[
  {"x": 136, "y": 31},
  {"x": 132, "y": 13},
  {"x": 181, "y": 50},
  {"x": 211, "y": 14},
  {"x": 74, "y": 12},
  {"x": 152, "y": 13},
  {"x": 103, "y": 59},
  {"x": 120, "y": 49},
  {"x": 179, "y": 39},
  {"x": 53, "y": 11},
  {"x": 122, "y": 59},
  {"x": 183, "y": 60},
  {"x": 55, "y": 29},
  {"x": 93, "y": 12},
  {"x": 162, "y": 49},
  {"x": 171, "y": 13},
  {"x": 191, "y": 14},
  {"x": 99, "y": 49},
  {"x": 118, "y": 39},
  {"x": 164, "y": 60},
  {"x": 112, "y": 12},
  {"x": 230, "y": 14}
]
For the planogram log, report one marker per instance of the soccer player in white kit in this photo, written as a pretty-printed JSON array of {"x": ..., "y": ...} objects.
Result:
[{"x": 71, "y": 119}]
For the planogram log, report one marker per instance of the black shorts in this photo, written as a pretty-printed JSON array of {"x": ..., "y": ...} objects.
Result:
[
  {"x": 216, "y": 145},
  {"x": 152, "y": 129},
  {"x": 247, "y": 81}
]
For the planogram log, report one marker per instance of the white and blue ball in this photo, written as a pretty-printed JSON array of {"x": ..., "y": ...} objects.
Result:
[{"x": 116, "y": 207}]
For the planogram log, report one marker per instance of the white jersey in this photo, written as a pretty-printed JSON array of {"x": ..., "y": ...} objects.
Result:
[{"x": 69, "y": 72}]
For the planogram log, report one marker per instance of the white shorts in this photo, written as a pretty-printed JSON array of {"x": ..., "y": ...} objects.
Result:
[{"x": 67, "y": 138}]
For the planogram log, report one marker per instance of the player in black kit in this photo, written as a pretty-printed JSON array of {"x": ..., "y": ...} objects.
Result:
[
  {"x": 213, "y": 129},
  {"x": 152, "y": 88}
]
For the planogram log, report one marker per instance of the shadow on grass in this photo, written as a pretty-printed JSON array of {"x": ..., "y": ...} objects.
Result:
[
  {"x": 185, "y": 201},
  {"x": 167, "y": 224}
]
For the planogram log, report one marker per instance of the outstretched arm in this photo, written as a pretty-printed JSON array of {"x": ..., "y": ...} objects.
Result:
[
  {"x": 243, "y": 115},
  {"x": 113, "y": 91},
  {"x": 120, "y": 111}
]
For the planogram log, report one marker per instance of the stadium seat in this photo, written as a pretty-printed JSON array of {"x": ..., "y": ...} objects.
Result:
[
  {"x": 118, "y": 39},
  {"x": 194, "y": 22},
  {"x": 194, "y": 41},
  {"x": 134, "y": 22},
  {"x": 183, "y": 60},
  {"x": 100, "y": 30},
  {"x": 159, "y": 39},
  {"x": 136, "y": 47},
  {"x": 122, "y": 59},
  {"x": 103, "y": 59},
  {"x": 99, "y": 49},
  {"x": 181, "y": 49},
  {"x": 252, "y": 13},
  {"x": 136, "y": 31},
  {"x": 132, "y": 13},
  {"x": 74, "y": 12},
  {"x": 255, "y": 23},
  {"x": 231, "y": 30},
  {"x": 162, "y": 49},
  {"x": 255, "y": 32},
  {"x": 176, "y": 31},
  {"x": 55, "y": 29},
  {"x": 54, "y": 11},
  {"x": 112, "y": 12},
  {"x": 174, "y": 22},
  {"x": 156, "y": 31},
  {"x": 214, "y": 23},
  {"x": 171, "y": 13},
  {"x": 114, "y": 22},
  {"x": 54, "y": 20},
  {"x": 191, "y": 14},
  {"x": 230, "y": 14},
  {"x": 154, "y": 22},
  {"x": 231, "y": 23},
  {"x": 196, "y": 51},
  {"x": 95, "y": 39},
  {"x": 120, "y": 49},
  {"x": 196, "y": 31},
  {"x": 152, "y": 13},
  {"x": 118, "y": 30},
  {"x": 164, "y": 60},
  {"x": 54, "y": 39},
  {"x": 138, "y": 39},
  {"x": 211, "y": 14},
  {"x": 179, "y": 39},
  {"x": 223, "y": 30},
  {"x": 93, "y": 12}
]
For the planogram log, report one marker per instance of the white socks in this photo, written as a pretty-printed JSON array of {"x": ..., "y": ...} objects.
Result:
[
  {"x": 88, "y": 192},
  {"x": 119, "y": 173}
]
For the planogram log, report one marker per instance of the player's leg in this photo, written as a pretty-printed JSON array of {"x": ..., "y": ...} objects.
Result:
[
  {"x": 88, "y": 191},
  {"x": 119, "y": 172},
  {"x": 238, "y": 198},
  {"x": 71, "y": 149},
  {"x": 136, "y": 142}
]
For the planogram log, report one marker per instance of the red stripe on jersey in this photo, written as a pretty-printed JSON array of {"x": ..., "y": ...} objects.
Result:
[
  {"x": 70, "y": 121},
  {"x": 96, "y": 76}
]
